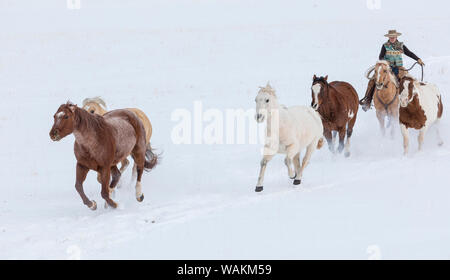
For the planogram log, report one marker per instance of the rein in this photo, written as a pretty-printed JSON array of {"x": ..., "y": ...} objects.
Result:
[
  {"x": 386, "y": 105},
  {"x": 406, "y": 70},
  {"x": 371, "y": 69}
]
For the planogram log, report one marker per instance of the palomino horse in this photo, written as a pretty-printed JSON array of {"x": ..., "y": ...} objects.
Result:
[
  {"x": 337, "y": 104},
  {"x": 386, "y": 96},
  {"x": 420, "y": 107},
  {"x": 100, "y": 144},
  {"x": 288, "y": 131},
  {"x": 96, "y": 105}
]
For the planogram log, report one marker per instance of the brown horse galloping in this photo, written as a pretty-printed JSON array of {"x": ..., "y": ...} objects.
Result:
[
  {"x": 100, "y": 144},
  {"x": 337, "y": 104},
  {"x": 97, "y": 105}
]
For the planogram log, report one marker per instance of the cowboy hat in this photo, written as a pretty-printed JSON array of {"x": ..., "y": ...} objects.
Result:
[{"x": 393, "y": 33}]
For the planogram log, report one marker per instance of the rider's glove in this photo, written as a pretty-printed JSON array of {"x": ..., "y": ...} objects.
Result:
[{"x": 420, "y": 62}]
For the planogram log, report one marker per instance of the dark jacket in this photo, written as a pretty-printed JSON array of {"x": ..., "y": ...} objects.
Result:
[{"x": 406, "y": 51}]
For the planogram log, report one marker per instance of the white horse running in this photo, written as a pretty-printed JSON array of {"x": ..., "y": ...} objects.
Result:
[
  {"x": 288, "y": 131},
  {"x": 420, "y": 107}
]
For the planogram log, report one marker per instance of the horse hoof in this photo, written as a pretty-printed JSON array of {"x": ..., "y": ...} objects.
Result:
[
  {"x": 259, "y": 189},
  {"x": 141, "y": 198},
  {"x": 347, "y": 154},
  {"x": 440, "y": 143},
  {"x": 297, "y": 182},
  {"x": 93, "y": 205},
  {"x": 114, "y": 205}
]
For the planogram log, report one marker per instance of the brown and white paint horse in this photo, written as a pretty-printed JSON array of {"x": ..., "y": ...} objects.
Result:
[
  {"x": 97, "y": 105},
  {"x": 337, "y": 104},
  {"x": 420, "y": 107},
  {"x": 100, "y": 144},
  {"x": 386, "y": 96}
]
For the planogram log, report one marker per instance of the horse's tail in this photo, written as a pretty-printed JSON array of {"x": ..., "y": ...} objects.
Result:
[
  {"x": 320, "y": 143},
  {"x": 151, "y": 159}
]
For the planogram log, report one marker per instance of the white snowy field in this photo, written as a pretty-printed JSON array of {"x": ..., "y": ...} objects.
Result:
[{"x": 200, "y": 201}]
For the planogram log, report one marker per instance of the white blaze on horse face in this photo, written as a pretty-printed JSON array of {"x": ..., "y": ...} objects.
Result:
[
  {"x": 378, "y": 73},
  {"x": 404, "y": 95},
  {"x": 316, "y": 90},
  {"x": 59, "y": 116}
]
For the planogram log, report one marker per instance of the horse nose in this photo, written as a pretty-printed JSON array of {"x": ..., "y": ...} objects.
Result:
[{"x": 54, "y": 134}]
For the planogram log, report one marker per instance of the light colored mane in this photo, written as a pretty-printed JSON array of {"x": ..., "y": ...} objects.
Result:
[
  {"x": 267, "y": 89},
  {"x": 97, "y": 100},
  {"x": 392, "y": 77}
]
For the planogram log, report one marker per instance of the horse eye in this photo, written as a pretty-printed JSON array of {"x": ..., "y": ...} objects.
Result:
[
  {"x": 92, "y": 111},
  {"x": 267, "y": 100},
  {"x": 66, "y": 117}
]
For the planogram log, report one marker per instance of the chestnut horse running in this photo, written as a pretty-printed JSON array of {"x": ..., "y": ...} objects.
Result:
[
  {"x": 97, "y": 105},
  {"x": 337, "y": 104},
  {"x": 100, "y": 144}
]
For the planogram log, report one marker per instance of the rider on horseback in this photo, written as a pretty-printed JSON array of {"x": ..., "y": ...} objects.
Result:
[{"x": 391, "y": 51}]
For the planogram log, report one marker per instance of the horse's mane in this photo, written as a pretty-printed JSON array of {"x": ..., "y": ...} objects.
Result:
[
  {"x": 86, "y": 121},
  {"x": 267, "y": 89},
  {"x": 385, "y": 62},
  {"x": 97, "y": 100}
]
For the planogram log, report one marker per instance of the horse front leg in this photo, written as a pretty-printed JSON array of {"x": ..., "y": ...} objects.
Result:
[
  {"x": 333, "y": 141},
  {"x": 341, "y": 139},
  {"x": 264, "y": 161},
  {"x": 297, "y": 167},
  {"x": 105, "y": 174},
  {"x": 288, "y": 163},
  {"x": 350, "y": 125},
  {"x": 81, "y": 172},
  {"x": 421, "y": 137},
  {"x": 291, "y": 152},
  {"x": 405, "y": 139},
  {"x": 393, "y": 119},
  {"x": 329, "y": 137},
  {"x": 381, "y": 116},
  {"x": 115, "y": 174}
]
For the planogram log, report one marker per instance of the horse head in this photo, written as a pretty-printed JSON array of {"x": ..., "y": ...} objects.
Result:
[
  {"x": 95, "y": 105},
  {"x": 64, "y": 121},
  {"x": 318, "y": 86},
  {"x": 383, "y": 75},
  {"x": 407, "y": 90},
  {"x": 266, "y": 100}
]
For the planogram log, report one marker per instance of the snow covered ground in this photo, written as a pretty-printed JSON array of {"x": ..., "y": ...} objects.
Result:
[{"x": 200, "y": 202}]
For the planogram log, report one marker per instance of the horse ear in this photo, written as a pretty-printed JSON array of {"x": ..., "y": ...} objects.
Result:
[
  {"x": 268, "y": 85},
  {"x": 72, "y": 107},
  {"x": 314, "y": 77},
  {"x": 326, "y": 78}
]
